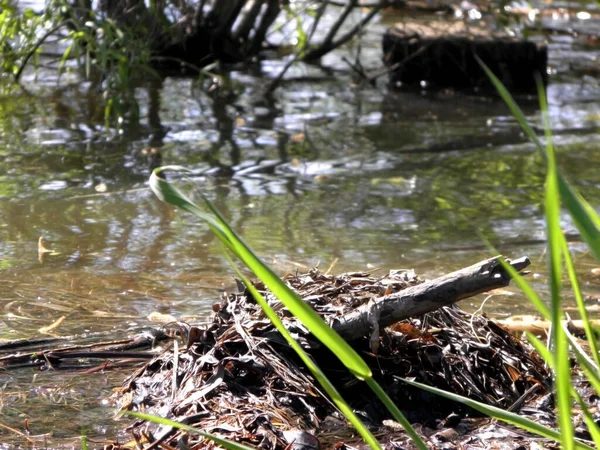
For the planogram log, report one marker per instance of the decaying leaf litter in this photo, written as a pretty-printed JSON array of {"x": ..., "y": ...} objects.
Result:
[{"x": 236, "y": 377}]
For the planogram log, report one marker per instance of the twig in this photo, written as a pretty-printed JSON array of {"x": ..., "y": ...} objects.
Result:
[
  {"x": 37, "y": 45},
  {"x": 326, "y": 48},
  {"x": 273, "y": 85},
  {"x": 260, "y": 32},
  {"x": 517, "y": 404},
  {"x": 243, "y": 29},
  {"x": 359, "y": 70},
  {"x": 336, "y": 26},
  {"x": 395, "y": 66}
]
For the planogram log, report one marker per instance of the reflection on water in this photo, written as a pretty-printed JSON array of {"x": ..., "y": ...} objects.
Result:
[{"x": 322, "y": 172}]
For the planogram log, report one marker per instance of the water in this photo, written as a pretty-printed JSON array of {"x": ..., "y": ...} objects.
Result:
[{"x": 325, "y": 172}]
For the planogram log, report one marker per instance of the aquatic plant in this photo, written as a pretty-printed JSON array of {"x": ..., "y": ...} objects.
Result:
[
  {"x": 556, "y": 354},
  {"x": 300, "y": 309},
  {"x": 557, "y": 191}
]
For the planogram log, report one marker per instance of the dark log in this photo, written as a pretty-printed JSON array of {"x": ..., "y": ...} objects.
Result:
[
  {"x": 429, "y": 296},
  {"x": 442, "y": 55}
]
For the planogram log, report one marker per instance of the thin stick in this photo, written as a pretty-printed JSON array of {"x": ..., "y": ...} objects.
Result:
[{"x": 37, "y": 45}]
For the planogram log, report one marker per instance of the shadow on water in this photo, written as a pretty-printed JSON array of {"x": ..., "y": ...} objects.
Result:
[{"x": 323, "y": 171}]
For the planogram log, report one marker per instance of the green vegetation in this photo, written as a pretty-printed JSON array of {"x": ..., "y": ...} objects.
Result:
[
  {"x": 118, "y": 45},
  {"x": 347, "y": 355},
  {"x": 561, "y": 341}
]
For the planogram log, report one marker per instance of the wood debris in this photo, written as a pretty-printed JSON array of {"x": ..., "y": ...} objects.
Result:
[{"x": 235, "y": 377}]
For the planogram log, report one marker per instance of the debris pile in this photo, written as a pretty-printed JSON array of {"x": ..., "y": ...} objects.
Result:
[{"x": 236, "y": 377}]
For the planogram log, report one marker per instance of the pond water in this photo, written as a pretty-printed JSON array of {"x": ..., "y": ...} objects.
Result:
[{"x": 328, "y": 171}]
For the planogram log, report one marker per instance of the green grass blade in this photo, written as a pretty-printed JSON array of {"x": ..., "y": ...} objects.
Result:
[
  {"x": 168, "y": 193},
  {"x": 324, "y": 381},
  {"x": 586, "y": 364},
  {"x": 229, "y": 445},
  {"x": 590, "y": 373},
  {"x": 549, "y": 358},
  {"x": 500, "y": 414},
  {"x": 587, "y": 325},
  {"x": 580, "y": 352},
  {"x": 396, "y": 413},
  {"x": 512, "y": 105},
  {"x": 555, "y": 240},
  {"x": 331, "y": 391},
  {"x": 287, "y": 296},
  {"x": 584, "y": 217},
  {"x": 295, "y": 304},
  {"x": 589, "y": 419},
  {"x": 541, "y": 348}
]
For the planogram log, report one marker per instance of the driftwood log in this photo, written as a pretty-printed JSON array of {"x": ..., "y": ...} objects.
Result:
[
  {"x": 429, "y": 296},
  {"x": 378, "y": 307}
]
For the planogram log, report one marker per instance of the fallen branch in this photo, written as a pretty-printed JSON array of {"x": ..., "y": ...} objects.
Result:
[{"x": 429, "y": 296}]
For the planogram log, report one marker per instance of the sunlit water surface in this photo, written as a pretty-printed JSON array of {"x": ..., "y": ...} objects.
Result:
[{"x": 329, "y": 171}]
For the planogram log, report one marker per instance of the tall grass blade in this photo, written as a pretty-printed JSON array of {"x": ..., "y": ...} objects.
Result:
[
  {"x": 542, "y": 350},
  {"x": 587, "y": 325},
  {"x": 522, "y": 284},
  {"x": 331, "y": 391},
  {"x": 590, "y": 373},
  {"x": 585, "y": 363},
  {"x": 229, "y": 445},
  {"x": 590, "y": 422},
  {"x": 587, "y": 416},
  {"x": 396, "y": 413},
  {"x": 555, "y": 240},
  {"x": 347, "y": 355},
  {"x": 580, "y": 352},
  {"x": 498, "y": 413},
  {"x": 585, "y": 218}
]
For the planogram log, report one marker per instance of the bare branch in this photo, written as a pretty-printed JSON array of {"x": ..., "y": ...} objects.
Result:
[
  {"x": 243, "y": 30},
  {"x": 327, "y": 47}
]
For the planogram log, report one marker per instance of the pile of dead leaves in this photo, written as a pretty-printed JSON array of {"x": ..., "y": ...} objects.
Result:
[{"x": 235, "y": 376}]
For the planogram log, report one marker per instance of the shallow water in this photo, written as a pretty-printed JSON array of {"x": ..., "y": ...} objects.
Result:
[{"x": 326, "y": 172}]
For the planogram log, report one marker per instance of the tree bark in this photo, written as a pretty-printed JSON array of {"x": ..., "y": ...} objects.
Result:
[{"x": 429, "y": 296}]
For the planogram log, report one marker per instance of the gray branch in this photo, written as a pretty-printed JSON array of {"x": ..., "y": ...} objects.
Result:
[{"x": 429, "y": 296}]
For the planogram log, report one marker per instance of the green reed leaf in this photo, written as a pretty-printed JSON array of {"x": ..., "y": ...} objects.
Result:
[
  {"x": 229, "y": 445},
  {"x": 584, "y": 217},
  {"x": 331, "y": 391},
  {"x": 498, "y": 413}
]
